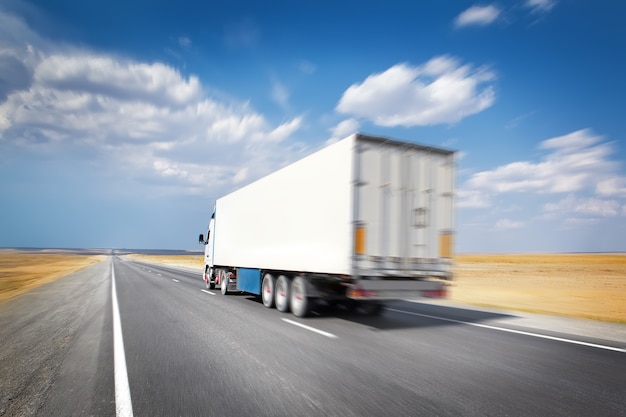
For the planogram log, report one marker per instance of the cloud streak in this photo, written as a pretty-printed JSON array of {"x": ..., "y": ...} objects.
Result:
[
  {"x": 477, "y": 16},
  {"x": 146, "y": 116},
  {"x": 577, "y": 169},
  {"x": 576, "y": 160},
  {"x": 442, "y": 91}
]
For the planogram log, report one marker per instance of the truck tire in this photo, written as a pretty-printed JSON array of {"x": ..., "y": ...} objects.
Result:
[
  {"x": 268, "y": 289},
  {"x": 281, "y": 297},
  {"x": 223, "y": 282},
  {"x": 299, "y": 302}
]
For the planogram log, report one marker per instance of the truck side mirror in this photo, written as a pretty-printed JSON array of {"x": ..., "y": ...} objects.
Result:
[{"x": 201, "y": 239}]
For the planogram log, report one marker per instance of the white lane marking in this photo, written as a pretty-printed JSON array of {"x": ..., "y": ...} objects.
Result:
[
  {"x": 175, "y": 280},
  {"x": 313, "y": 329},
  {"x": 123, "y": 404},
  {"x": 503, "y": 329},
  {"x": 160, "y": 275},
  {"x": 208, "y": 292}
]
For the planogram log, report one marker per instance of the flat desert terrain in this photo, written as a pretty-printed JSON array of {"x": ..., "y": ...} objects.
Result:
[
  {"x": 591, "y": 286},
  {"x": 22, "y": 272}
]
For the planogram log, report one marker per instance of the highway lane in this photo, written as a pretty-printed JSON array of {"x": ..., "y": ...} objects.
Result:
[
  {"x": 195, "y": 353},
  {"x": 211, "y": 355},
  {"x": 56, "y": 349}
]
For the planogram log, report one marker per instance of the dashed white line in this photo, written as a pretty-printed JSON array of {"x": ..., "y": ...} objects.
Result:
[
  {"x": 503, "y": 329},
  {"x": 160, "y": 275},
  {"x": 208, "y": 292},
  {"x": 175, "y": 280},
  {"x": 123, "y": 404},
  {"x": 313, "y": 329}
]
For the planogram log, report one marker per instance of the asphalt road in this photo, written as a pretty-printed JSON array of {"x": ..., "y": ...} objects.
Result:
[{"x": 190, "y": 352}]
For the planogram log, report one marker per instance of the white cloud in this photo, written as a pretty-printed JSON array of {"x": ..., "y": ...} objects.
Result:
[
  {"x": 574, "y": 183},
  {"x": 615, "y": 186},
  {"x": 472, "y": 199},
  {"x": 576, "y": 161},
  {"x": 140, "y": 118},
  {"x": 440, "y": 91},
  {"x": 540, "y": 6},
  {"x": 343, "y": 129},
  {"x": 597, "y": 207},
  {"x": 280, "y": 94},
  {"x": 285, "y": 130},
  {"x": 507, "y": 224},
  {"x": 594, "y": 207},
  {"x": 477, "y": 16},
  {"x": 99, "y": 74}
]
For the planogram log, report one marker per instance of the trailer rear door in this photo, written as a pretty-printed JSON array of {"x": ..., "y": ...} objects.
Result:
[{"x": 404, "y": 209}]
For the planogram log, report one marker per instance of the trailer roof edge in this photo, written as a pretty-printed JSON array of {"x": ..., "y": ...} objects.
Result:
[{"x": 396, "y": 142}]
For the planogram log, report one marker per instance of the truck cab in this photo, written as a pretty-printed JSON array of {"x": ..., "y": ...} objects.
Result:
[{"x": 208, "y": 242}]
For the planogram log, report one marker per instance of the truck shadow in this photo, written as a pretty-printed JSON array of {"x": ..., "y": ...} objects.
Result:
[
  {"x": 399, "y": 314},
  {"x": 407, "y": 314}
]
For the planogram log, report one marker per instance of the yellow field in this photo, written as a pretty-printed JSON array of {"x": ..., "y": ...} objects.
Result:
[
  {"x": 21, "y": 272},
  {"x": 585, "y": 286},
  {"x": 189, "y": 261}
]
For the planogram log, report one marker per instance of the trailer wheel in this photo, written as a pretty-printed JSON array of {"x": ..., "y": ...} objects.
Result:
[
  {"x": 268, "y": 289},
  {"x": 300, "y": 303},
  {"x": 281, "y": 297},
  {"x": 224, "y": 281}
]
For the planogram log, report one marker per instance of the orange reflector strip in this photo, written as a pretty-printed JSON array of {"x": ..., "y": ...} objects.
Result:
[
  {"x": 445, "y": 245},
  {"x": 359, "y": 240}
]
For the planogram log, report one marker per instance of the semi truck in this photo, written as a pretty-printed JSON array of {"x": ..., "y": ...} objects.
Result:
[{"x": 365, "y": 220}]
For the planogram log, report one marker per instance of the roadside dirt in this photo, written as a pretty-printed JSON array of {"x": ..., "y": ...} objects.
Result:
[{"x": 22, "y": 272}]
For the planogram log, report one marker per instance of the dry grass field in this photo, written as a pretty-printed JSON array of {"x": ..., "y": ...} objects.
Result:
[
  {"x": 21, "y": 272},
  {"x": 189, "y": 261},
  {"x": 591, "y": 286}
]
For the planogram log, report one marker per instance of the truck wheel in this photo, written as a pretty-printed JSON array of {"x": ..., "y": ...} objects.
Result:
[
  {"x": 300, "y": 303},
  {"x": 224, "y": 282},
  {"x": 282, "y": 294},
  {"x": 267, "y": 290}
]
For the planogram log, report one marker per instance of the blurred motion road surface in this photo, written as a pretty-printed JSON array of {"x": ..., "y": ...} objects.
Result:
[{"x": 191, "y": 352}]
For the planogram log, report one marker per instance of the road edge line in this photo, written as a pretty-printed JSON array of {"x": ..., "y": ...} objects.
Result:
[
  {"x": 123, "y": 404},
  {"x": 504, "y": 329}
]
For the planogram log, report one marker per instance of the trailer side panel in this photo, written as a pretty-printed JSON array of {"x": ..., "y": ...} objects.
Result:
[{"x": 298, "y": 218}]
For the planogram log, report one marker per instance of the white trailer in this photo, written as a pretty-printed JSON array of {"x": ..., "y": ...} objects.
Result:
[{"x": 364, "y": 220}]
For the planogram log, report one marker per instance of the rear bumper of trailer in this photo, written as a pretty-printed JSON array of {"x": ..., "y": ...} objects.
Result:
[{"x": 385, "y": 289}]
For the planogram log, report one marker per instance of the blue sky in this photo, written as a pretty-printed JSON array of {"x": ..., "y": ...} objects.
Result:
[{"x": 122, "y": 122}]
